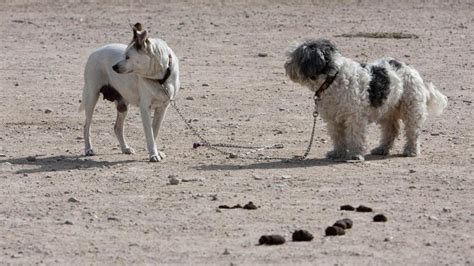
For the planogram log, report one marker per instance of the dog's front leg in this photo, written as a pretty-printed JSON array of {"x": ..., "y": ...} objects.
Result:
[
  {"x": 336, "y": 132},
  {"x": 355, "y": 134},
  {"x": 146, "y": 119},
  {"x": 158, "y": 118}
]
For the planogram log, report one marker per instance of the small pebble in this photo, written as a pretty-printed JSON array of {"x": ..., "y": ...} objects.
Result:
[
  {"x": 68, "y": 222},
  {"x": 47, "y": 111},
  {"x": 347, "y": 208},
  {"x": 112, "y": 219},
  {"x": 302, "y": 235},
  {"x": 250, "y": 206},
  {"x": 72, "y": 199},
  {"x": 334, "y": 231},
  {"x": 226, "y": 252},
  {"x": 363, "y": 208},
  {"x": 271, "y": 240},
  {"x": 380, "y": 218},
  {"x": 173, "y": 180},
  {"x": 262, "y": 54}
]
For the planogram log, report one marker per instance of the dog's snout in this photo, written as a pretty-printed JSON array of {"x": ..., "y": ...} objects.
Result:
[{"x": 115, "y": 68}]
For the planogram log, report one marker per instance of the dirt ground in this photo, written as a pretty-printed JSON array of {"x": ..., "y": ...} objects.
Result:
[{"x": 59, "y": 207}]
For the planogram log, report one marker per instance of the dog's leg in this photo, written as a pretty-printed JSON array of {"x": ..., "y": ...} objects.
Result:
[
  {"x": 89, "y": 104},
  {"x": 390, "y": 129},
  {"x": 413, "y": 117},
  {"x": 336, "y": 132},
  {"x": 355, "y": 134},
  {"x": 146, "y": 120},
  {"x": 118, "y": 127},
  {"x": 158, "y": 118}
]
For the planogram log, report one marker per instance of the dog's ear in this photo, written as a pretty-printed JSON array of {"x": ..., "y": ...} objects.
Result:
[
  {"x": 139, "y": 35},
  {"x": 136, "y": 28}
]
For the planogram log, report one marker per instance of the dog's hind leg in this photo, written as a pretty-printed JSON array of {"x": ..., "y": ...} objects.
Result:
[
  {"x": 119, "y": 125},
  {"x": 413, "y": 117},
  {"x": 90, "y": 100},
  {"x": 390, "y": 129},
  {"x": 336, "y": 132}
]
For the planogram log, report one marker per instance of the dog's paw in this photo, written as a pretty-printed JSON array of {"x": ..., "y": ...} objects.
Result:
[
  {"x": 334, "y": 155},
  {"x": 380, "y": 151},
  {"x": 410, "y": 153},
  {"x": 128, "y": 150},
  {"x": 155, "y": 158},
  {"x": 89, "y": 152},
  {"x": 356, "y": 157}
]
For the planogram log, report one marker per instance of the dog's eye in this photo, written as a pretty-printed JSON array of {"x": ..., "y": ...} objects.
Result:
[{"x": 127, "y": 57}]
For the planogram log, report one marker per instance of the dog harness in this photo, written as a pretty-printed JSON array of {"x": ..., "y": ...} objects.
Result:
[{"x": 329, "y": 80}]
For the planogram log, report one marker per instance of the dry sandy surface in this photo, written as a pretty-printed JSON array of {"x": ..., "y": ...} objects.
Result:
[{"x": 127, "y": 213}]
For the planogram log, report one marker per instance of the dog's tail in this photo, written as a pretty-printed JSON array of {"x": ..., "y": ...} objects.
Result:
[{"x": 437, "y": 101}]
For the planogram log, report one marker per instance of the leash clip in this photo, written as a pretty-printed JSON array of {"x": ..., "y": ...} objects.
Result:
[{"x": 316, "y": 99}]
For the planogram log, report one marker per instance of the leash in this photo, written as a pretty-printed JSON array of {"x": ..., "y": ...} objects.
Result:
[{"x": 218, "y": 146}]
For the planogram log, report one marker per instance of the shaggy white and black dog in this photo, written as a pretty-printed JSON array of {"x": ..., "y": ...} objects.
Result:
[
  {"x": 145, "y": 73},
  {"x": 353, "y": 94}
]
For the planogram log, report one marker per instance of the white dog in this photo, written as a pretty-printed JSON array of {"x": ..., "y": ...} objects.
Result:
[
  {"x": 145, "y": 73},
  {"x": 353, "y": 94}
]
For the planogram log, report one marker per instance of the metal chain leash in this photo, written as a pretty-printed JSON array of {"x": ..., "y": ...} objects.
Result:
[
  {"x": 217, "y": 147},
  {"x": 205, "y": 142},
  {"x": 315, "y": 117}
]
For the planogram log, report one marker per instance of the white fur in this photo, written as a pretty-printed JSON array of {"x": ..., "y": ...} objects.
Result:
[
  {"x": 346, "y": 108},
  {"x": 137, "y": 84}
]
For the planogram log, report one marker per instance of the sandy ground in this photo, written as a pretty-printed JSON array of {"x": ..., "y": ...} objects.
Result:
[{"x": 127, "y": 213}]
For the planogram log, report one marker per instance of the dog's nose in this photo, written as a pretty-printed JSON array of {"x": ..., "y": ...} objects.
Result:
[{"x": 115, "y": 68}]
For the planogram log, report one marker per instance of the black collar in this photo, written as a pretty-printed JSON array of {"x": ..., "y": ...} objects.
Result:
[
  {"x": 168, "y": 72},
  {"x": 329, "y": 80}
]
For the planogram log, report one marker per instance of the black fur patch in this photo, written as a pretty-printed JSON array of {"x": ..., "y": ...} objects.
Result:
[
  {"x": 363, "y": 65},
  {"x": 315, "y": 57},
  {"x": 379, "y": 86},
  {"x": 394, "y": 63},
  {"x": 111, "y": 94}
]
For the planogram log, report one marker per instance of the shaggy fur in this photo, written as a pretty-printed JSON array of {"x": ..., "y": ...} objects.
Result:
[
  {"x": 145, "y": 73},
  {"x": 386, "y": 92}
]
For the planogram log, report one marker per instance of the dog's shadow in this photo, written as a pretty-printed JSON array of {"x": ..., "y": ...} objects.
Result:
[
  {"x": 59, "y": 163},
  {"x": 286, "y": 164}
]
